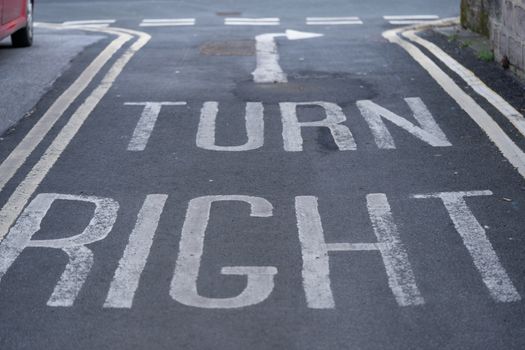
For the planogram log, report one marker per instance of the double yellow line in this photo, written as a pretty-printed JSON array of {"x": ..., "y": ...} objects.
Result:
[{"x": 9, "y": 167}]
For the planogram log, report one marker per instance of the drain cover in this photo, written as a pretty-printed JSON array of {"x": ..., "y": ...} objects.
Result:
[
  {"x": 229, "y": 48},
  {"x": 229, "y": 14}
]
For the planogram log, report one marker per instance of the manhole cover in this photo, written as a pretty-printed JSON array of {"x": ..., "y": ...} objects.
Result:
[
  {"x": 229, "y": 48},
  {"x": 229, "y": 14}
]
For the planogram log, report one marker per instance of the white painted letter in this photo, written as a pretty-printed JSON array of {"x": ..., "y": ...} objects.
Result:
[
  {"x": 428, "y": 131},
  {"x": 316, "y": 267},
  {"x": 254, "y": 128},
  {"x": 475, "y": 239},
  {"x": 293, "y": 141},
  {"x": 127, "y": 277},
  {"x": 80, "y": 257},
  {"x": 146, "y": 123},
  {"x": 183, "y": 289}
]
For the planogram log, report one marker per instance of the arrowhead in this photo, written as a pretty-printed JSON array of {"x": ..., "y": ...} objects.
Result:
[{"x": 296, "y": 35}]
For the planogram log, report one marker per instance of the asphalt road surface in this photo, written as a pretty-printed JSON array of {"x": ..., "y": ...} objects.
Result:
[{"x": 259, "y": 175}]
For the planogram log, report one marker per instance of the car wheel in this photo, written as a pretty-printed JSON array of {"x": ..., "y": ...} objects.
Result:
[{"x": 24, "y": 37}]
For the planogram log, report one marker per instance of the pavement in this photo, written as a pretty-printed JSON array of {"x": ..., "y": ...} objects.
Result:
[{"x": 260, "y": 175}]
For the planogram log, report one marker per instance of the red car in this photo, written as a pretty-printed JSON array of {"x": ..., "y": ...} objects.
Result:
[{"x": 16, "y": 19}]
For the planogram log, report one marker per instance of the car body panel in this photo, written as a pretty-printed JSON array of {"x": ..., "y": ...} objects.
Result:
[{"x": 13, "y": 16}]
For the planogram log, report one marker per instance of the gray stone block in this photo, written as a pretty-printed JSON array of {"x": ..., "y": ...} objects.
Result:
[
  {"x": 519, "y": 24},
  {"x": 515, "y": 52}
]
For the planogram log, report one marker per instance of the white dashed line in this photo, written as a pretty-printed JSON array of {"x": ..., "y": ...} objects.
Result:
[
  {"x": 410, "y": 19},
  {"x": 91, "y": 23},
  {"x": 273, "y": 21},
  {"x": 312, "y": 21},
  {"x": 168, "y": 22}
]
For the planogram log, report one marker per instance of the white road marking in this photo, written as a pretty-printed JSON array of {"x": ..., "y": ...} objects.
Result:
[
  {"x": 18, "y": 156},
  {"x": 146, "y": 123},
  {"x": 127, "y": 276},
  {"x": 102, "y": 23},
  {"x": 237, "y": 21},
  {"x": 80, "y": 257},
  {"x": 260, "y": 279},
  {"x": 410, "y": 19},
  {"x": 167, "y": 22},
  {"x": 28, "y": 186},
  {"x": 475, "y": 239},
  {"x": 504, "y": 143},
  {"x": 332, "y": 20},
  {"x": 428, "y": 131},
  {"x": 292, "y": 138},
  {"x": 268, "y": 69},
  {"x": 254, "y": 127},
  {"x": 515, "y": 117},
  {"x": 316, "y": 261}
]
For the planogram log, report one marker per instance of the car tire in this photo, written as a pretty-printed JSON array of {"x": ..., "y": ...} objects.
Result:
[{"x": 24, "y": 36}]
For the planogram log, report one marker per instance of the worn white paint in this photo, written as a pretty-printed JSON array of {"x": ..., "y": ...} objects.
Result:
[
  {"x": 333, "y": 20},
  {"x": 410, "y": 19},
  {"x": 315, "y": 250},
  {"x": 292, "y": 138},
  {"x": 28, "y": 186},
  {"x": 146, "y": 123},
  {"x": 80, "y": 257},
  {"x": 168, "y": 22},
  {"x": 401, "y": 278},
  {"x": 127, "y": 276},
  {"x": 238, "y": 21},
  {"x": 511, "y": 113},
  {"x": 18, "y": 156},
  {"x": 101, "y": 23},
  {"x": 477, "y": 243},
  {"x": 504, "y": 143},
  {"x": 268, "y": 69},
  {"x": 427, "y": 131},
  {"x": 260, "y": 279},
  {"x": 254, "y": 128}
]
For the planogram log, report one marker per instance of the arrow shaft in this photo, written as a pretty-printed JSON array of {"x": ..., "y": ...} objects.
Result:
[{"x": 268, "y": 69}]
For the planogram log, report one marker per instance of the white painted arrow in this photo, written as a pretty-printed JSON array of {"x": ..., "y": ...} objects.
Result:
[{"x": 268, "y": 68}]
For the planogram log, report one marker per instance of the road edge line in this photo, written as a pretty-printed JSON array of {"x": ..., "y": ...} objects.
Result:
[
  {"x": 503, "y": 142},
  {"x": 505, "y": 108},
  {"x": 38, "y": 132},
  {"x": 18, "y": 200}
]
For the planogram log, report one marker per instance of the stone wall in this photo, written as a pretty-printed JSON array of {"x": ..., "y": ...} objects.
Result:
[{"x": 503, "y": 21}]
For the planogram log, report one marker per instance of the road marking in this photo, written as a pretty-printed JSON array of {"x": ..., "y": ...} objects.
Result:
[
  {"x": 268, "y": 69},
  {"x": 127, "y": 277},
  {"x": 27, "y": 187},
  {"x": 146, "y": 123},
  {"x": 80, "y": 257},
  {"x": 292, "y": 138},
  {"x": 410, "y": 19},
  {"x": 236, "y": 21},
  {"x": 260, "y": 279},
  {"x": 504, "y": 143},
  {"x": 316, "y": 260},
  {"x": 167, "y": 22},
  {"x": 428, "y": 131},
  {"x": 515, "y": 117},
  {"x": 332, "y": 20},
  {"x": 102, "y": 23},
  {"x": 254, "y": 117},
  {"x": 475, "y": 240},
  {"x": 18, "y": 156}
]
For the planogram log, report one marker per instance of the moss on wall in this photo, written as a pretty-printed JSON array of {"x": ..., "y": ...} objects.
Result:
[{"x": 475, "y": 16}]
